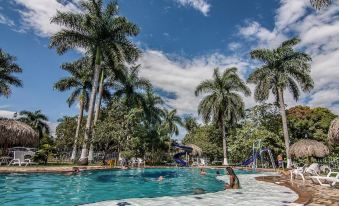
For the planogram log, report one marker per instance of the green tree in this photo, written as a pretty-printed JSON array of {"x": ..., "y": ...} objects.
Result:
[
  {"x": 37, "y": 120},
  {"x": 80, "y": 81},
  {"x": 223, "y": 103},
  {"x": 151, "y": 107},
  {"x": 207, "y": 137},
  {"x": 312, "y": 123},
  {"x": 129, "y": 87},
  {"x": 64, "y": 140},
  {"x": 171, "y": 121},
  {"x": 190, "y": 123},
  {"x": 261, "y": 122},
  {"x": 102, "y": 33},
  {"x": 284, "y": 68},
  {"x": 117, "y": 128},
  {"x": 7, "y": 68}
]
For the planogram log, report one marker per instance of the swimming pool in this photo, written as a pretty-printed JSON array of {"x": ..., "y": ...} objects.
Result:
[{"x": 94, "y": 186}]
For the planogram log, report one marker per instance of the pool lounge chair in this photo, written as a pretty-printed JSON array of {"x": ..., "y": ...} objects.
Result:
[
  {"x": 298, "y": 171},
  {"x": 19, "y": 159},
  {"x": 329, "y": 180}
]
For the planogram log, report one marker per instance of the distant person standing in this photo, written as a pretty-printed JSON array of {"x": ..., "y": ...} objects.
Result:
[{"x": 280, "y": 159}]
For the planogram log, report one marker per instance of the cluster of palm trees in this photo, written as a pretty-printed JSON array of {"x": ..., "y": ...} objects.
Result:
[
  {"x": 105, "y": 36},
  {"x": 283, "y": 68},
  {"x": 105, "y": 69}
]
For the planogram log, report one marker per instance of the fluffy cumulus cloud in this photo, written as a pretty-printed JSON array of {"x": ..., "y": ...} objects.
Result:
[
  {"x": 202, "y": 5},
  {"x": 319, "y": 32},
  {"x": 181, "y": 76},
  {"x": 36, "y": 14}
]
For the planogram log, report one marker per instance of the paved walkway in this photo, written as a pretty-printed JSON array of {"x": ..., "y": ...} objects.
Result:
[
  {"x": 321, "y": 195},
  {"x": 252, "y": 193}
]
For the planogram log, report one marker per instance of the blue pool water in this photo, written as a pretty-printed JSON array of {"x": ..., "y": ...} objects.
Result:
[{"x": 94, "y": 186}]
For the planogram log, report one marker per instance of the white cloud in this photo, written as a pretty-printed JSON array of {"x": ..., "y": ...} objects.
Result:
[
  {"x": 182, "y": 76},
  {"x": 37, "y": 14},
  {"x": 202, "y": 5},
  {"x": 319, "y": 32},
  {"x": 6, "y": 114},
  {"x": 5, "y": 20},
  {"x": 234, "y": 46}
]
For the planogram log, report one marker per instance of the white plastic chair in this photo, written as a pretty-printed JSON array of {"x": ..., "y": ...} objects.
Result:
[
  {"x": 19, "y": 158},
  {"x": 298, "y": 171},
  {"x": 327, "y": 180}
]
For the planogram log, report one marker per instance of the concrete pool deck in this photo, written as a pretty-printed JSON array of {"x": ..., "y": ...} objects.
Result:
[{"x": 253, "y": 192}]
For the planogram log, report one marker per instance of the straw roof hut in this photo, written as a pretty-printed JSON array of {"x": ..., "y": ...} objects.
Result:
[
  {"x": 333, "y": 132},
  {"x": 15, "y": 133},
  {"x": 309, "y": 148},
  {"x": 196, "y": 151}
]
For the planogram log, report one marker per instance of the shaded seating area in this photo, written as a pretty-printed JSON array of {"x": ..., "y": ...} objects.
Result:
[{"x": 16, "y": 142}]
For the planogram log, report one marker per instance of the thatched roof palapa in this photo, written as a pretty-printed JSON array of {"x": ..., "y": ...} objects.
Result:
[
  {"x": 309, "y": 148},
  {"x": 196, "y": 151},
  {"x": 15, "y": 133},
  {"x": 333, "y": 132}
]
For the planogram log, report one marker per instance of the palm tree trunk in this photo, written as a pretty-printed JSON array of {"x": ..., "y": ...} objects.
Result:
[
  {"x": 285, "y": 129},
  {"x": 78, "y": 129},
  {"x": 224, "y": 143},
  {"x": 88, "y": 130},
  {"x": 97, "y": 112}
]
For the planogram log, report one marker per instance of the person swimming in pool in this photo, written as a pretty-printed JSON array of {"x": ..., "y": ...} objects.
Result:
[
  {"x": 202, "y": 171},
  {"x": 160, "y": 179},
  {"x": 234, "y": 181}
]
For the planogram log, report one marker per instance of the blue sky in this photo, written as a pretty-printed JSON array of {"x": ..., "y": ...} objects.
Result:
[{"x": 182, "y": 40}]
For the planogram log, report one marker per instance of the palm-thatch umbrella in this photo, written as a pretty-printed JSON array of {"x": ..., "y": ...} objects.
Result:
[
  {"x": 308, "y": 148},
  {"x": 333, "y": 132},
  {"x": 196, "y": 151},
  {"x": 15, "y": 133}
]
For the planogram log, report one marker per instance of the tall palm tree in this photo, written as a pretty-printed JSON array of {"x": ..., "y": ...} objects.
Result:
[
  {"x": 190, "y": 123},
  {"x": 107, "y": 77},
  {"x": 171, "y": 121},
  {"x": 7, "y": 68},
  {"x": 102, "y": 33},
  {"x": 129, "y": 85},
  {"x": 37, "y": 120},
  {"x": 151, "y": 108},
  {"x": 284, "y": 68},
  {"x": 80, "y": 81},
  {"x": 318, "y": 4},
  {"x": 223, "y": 103}
]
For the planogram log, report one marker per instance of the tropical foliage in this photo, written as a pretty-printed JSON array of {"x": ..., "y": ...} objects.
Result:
[
  {"x": 223, "y": 104},
  {"x": 8, "y": 67},
  {"x": 37, "y": 120},
  {"x": 104, "y": 35},
  {"x": 283, "y": 68},
  {"x": 310, "y": 123}
]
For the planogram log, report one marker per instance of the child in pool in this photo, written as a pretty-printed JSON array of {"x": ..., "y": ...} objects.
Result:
[
  {"x": 160, "y": 179},
  {"x": 202, "y": 171},
  {"x": 234, "y": 181}
]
